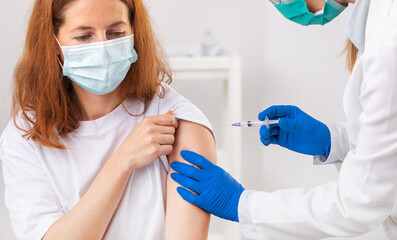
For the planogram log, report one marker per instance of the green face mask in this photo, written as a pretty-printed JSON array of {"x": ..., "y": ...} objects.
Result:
[{"x": 297, "y": 11}]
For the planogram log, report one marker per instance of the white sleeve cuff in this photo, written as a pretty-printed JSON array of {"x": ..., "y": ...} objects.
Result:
[
  {"x": 339, "y": 145},
  {"x": 248, "y": 229},
  {"x": 43, "y": 228}
]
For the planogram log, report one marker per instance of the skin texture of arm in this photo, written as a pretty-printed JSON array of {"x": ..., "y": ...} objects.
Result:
[
  {"x": 84, "y": 221},
  {"x": 184, "y": 220}
]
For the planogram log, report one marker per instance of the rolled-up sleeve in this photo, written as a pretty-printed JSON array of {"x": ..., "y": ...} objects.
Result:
[
  {"x": 29, "y": 196},
  {"x": 182, "y": 107}
]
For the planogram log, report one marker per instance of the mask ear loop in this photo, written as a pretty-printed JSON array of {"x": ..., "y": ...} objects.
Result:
[{"x": 59, "y": 44}]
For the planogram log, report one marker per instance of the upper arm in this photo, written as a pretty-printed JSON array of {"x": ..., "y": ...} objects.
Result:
[{"x": 184, "y": 220}]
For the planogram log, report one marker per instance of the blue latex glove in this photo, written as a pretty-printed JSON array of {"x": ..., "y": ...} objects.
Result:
[
  {"x": 296, "y": 131},
  {"x": 217, "y": 191}
]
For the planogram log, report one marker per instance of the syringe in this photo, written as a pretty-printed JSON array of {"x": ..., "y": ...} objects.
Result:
[{"x": 266, "y": 122}]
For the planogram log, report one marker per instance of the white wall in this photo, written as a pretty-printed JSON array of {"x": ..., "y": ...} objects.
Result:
[
  {"x": 282, "y": 64},
  {"x": 13, "y": 15}
]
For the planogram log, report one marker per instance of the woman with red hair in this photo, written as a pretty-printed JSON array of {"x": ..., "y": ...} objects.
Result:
[{"x": 95, "y": 127}]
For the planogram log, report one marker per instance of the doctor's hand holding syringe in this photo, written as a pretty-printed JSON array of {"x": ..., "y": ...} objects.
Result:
[
  {"x": 217, "y": 191},
  {"x": 293, "y": 129}
]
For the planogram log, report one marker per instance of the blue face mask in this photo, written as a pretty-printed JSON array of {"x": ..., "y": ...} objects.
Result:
[
  {"x": 99, "y": 67},
  {"x": 297, "y": 11}
]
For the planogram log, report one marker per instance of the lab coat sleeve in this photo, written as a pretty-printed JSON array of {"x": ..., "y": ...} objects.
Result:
[
  {"x": 29, "y": 196},
  {"x": 340, "y": 145},
  {"x": 366, "y": 190}
]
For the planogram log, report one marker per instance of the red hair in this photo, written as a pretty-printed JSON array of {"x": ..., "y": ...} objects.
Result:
[{"x": 46, "y": 99}]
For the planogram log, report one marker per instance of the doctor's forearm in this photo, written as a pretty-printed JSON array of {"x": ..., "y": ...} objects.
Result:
[{"x": 90, "y": 217}]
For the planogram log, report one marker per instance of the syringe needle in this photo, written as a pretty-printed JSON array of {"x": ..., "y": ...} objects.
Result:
[{"x": 266, "y": 122}]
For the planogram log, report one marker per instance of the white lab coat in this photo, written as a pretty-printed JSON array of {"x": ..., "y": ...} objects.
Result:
[{"x": 365, "y": 194}]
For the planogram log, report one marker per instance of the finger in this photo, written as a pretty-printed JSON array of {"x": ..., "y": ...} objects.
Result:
[
  {"x": 196, "y": 159},
  {"x": 270, "y": 140},
  {"x": 264, "y": 132},
  {"x": 165, "y": 120},
  {"x": 170, "y": 112},
  {"x": 186, "y": 182},
  {"x": 165, "y": 139},
  {"x": 276, "y": 111},
  {"x": 161, "y": 129},
  {"x": 265, "y": 141},
  {"x": 187, "y": 170},
  {"x": 274, "y": 140},
  {"x": 165, "y": 150},
  {"x": 274, "y": 131},
  {"x": 288, "y": 124},
  {"x": 187, "y": 195},
  {"x": 167, "y": 130}
]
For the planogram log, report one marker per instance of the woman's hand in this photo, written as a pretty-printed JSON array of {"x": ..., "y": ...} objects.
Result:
[{"x": 151, "y": 138}]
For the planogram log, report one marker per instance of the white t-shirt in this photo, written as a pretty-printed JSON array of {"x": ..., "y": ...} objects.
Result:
[{"x": 42, "y": 183}]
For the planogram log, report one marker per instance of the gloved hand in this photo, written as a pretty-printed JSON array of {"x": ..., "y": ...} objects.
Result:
[
  {"x": 217, "y": 191},
  {"x": 296, "y": 131}
]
